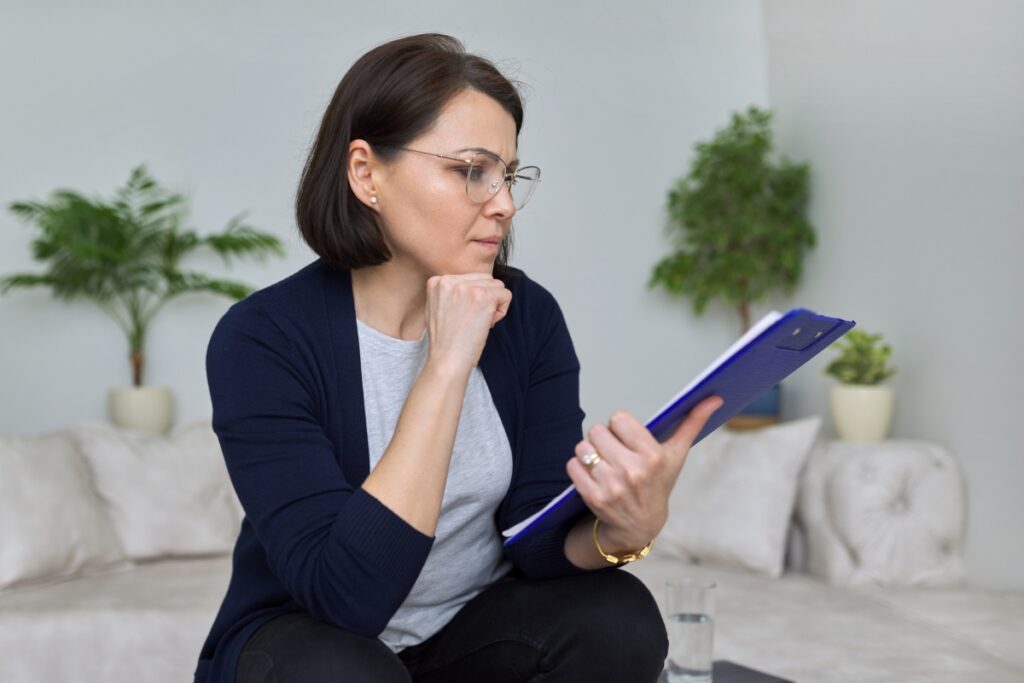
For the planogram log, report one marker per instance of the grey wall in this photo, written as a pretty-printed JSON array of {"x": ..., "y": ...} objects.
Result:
[
  {"x": 911, "y": 115},
  {"x": 222, "y": 100}
]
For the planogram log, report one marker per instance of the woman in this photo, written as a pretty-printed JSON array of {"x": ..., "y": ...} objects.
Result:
[{"x": 387, "y": 409}]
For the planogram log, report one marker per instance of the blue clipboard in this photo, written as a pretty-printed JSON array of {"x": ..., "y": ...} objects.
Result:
[{"x": 770, "y": 351}]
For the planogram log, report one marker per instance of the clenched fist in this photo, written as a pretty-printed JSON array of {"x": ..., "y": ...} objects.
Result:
[{"x": 461, "y": 310}]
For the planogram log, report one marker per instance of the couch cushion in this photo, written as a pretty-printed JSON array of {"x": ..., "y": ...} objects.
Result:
[
  {"x": 142, "y": 624},
  {"x": 167, "y": 495},
  {"x": 800, "y": 627},
  {"x": 51, "y": 522},
  {"x": 990, "y": 620}
]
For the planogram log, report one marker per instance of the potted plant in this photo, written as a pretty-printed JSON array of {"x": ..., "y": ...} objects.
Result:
[
  {"x": 738, "y": 228},
  {"x": 861, "y": 407},
  {"x": 125, "y": 256}
]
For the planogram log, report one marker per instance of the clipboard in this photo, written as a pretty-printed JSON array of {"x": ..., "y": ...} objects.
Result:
[{"x": 769, "y": 352}]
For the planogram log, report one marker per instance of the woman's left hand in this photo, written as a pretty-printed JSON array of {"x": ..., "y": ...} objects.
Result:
[{"x": 629, "y": 488}]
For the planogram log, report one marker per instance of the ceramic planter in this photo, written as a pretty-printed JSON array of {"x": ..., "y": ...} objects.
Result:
[
  {"x": 148, "y": 409},
  {"x": 862, "y": 412}
]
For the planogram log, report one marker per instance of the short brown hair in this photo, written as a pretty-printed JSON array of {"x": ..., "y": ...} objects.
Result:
[{"x": 391, "y": 95}]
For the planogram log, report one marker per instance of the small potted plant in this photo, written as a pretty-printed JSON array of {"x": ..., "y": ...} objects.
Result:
[
  {"x": 739, "y": 229},
  {"x": 124, "y": 255},
  {"x": 861, "y": 407}
]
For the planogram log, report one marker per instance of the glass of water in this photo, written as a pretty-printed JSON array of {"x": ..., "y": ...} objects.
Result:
[{"x": 691, "y": 626}]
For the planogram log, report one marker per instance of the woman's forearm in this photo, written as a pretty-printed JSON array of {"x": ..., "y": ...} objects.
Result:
[{"x": 411, "y": 475}]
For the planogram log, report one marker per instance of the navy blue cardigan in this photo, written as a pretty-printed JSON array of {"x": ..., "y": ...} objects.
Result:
[{"x": 284, "y": 377}]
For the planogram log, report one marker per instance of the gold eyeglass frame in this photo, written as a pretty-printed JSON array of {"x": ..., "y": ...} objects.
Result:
[{"x": 508, "y": 178}]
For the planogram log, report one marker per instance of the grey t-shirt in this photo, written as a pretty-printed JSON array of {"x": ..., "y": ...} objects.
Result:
[{"x": 467, "y": 554}]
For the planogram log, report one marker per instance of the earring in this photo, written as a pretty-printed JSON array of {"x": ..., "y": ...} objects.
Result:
[{"x": 373, "y": 199}]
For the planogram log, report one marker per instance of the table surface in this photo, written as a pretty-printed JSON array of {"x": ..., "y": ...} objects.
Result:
[{"x": 724, "y": 671}]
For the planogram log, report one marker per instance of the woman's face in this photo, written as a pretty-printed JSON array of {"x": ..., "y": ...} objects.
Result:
[{"x": 431, "y": 224}]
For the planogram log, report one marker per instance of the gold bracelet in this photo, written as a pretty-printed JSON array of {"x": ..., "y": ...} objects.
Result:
[{"x": 625, "y": 559}]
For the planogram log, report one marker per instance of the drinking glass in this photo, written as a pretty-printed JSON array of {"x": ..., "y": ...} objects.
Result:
[{"x": 691, "y": 624}]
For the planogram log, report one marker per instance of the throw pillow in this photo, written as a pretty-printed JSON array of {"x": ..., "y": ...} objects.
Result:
[
  {"x": 735, "y": 495},
  {"x": 52, "y": 525},
  {"x": 167, "y": 495}
]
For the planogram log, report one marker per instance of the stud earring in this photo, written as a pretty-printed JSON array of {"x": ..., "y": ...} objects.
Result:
[{"x": 373, "y": 199}]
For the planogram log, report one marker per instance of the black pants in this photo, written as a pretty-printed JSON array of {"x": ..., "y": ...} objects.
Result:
[{"x": 601, "y": 626}]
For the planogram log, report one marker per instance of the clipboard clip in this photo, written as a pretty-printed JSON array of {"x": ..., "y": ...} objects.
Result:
[{"x": 806, "y": 331}]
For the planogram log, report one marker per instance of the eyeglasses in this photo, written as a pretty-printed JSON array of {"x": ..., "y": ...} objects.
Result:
[{"x": 485, "y": 174}]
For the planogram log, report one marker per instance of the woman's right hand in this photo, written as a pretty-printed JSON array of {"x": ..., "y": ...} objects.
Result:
[{"x": 461, "y": 310}]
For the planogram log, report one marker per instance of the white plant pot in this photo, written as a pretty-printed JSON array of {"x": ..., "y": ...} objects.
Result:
[
  {"x": 149, "y": 409},
  {"x": 862, "y": 412}
]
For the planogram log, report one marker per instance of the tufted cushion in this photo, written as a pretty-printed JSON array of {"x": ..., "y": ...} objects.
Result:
[{"x": 883, "y": 513}]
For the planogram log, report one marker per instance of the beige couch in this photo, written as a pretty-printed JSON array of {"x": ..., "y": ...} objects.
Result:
[{"x": 894, "y": 610}]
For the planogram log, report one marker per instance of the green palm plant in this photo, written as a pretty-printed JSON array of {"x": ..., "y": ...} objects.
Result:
[{"x": 125, "y": 255}]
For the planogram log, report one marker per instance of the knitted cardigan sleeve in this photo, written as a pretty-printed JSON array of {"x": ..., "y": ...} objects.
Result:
[{"x": 339, "y": 552}]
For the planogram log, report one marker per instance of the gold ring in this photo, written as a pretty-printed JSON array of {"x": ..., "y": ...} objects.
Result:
[{"x": 590, "y": 459}]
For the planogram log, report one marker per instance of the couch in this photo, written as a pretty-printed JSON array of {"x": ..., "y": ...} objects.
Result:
[{"x": 833, "y": 561}]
